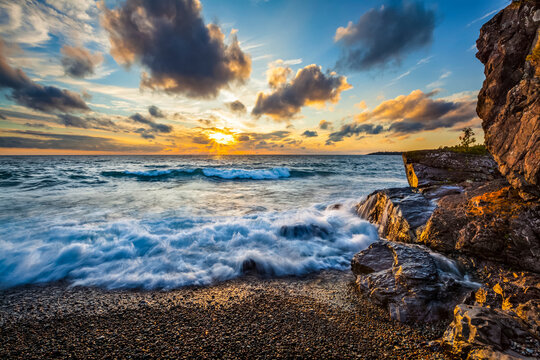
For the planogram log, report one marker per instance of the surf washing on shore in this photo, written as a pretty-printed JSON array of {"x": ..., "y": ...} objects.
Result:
[{"x": 169, "y": 221}]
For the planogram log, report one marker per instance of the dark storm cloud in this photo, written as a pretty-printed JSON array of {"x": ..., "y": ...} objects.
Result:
[
  {"x": 161, "y": 128},
  {"x": 155, "y": 111},
  {"x": 171, "y": 41},
  {"x": 236, "y": 106},
  {"x": 407, "y": 114},
  {"x": 385, "y": 35},
  {"x": 88, "y": 122},
  {"x": 28, "y": 93},
  {"x": 2, "y": 117},
  {"x": 348, "y": 130},
  {"x": 79, "y": 62},
  {"x": 310, "y": 87},
  {"x": 41, "y": 140},
  {"x": 309, "y": 133}
]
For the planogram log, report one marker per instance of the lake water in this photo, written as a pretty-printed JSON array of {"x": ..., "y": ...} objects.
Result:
[{"x": 169, "y": 221}]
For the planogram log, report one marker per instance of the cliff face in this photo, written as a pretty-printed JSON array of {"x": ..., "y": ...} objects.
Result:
[
  {"x": 489, "y": 223},
  {"x": 509, "y": 101}
]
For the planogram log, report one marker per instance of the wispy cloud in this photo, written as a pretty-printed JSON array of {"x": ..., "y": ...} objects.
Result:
[{"x": 484, "y": 16}]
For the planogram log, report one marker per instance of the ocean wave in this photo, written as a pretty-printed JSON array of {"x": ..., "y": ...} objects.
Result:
[
  {"x": 221, "y": 173},
  {"x": 173, "y": 252}
]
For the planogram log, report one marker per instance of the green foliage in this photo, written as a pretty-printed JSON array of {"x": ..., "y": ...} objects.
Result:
[
  {"x": 471, "y": 150},
  {"x": 467, "y": 139}
]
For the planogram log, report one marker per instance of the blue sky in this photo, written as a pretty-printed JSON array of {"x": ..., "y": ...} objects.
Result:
[{"x": 438, "y": 71}]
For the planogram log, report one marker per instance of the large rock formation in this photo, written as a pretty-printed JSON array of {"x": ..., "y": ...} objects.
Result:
[
  {"x": 427, "y": 168},
  {"x": 509, "y": 101},
  {"x": 489, "y": 221},
  {"x": 485, "y": 333},
  {"x": 399, "y": 213},
  {"x": 413, "y": 283}
]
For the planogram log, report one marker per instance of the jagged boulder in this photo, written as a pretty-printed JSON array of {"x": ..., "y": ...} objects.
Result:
[
  {"x": 427, "y": 168},
  {"x": 509, "y": 101},
  {"x": 413, "y": 283},
  {"x": 490, "y": 221},
  {"x": 399, "y": 213},
  {"x": 479, "y": 331}
]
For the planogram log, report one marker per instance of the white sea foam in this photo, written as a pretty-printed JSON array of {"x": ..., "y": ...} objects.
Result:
[
  {"x": 255, "y": 174},
  {"x": 223, "y": 173},
  {"x": 173, "y": 252}
]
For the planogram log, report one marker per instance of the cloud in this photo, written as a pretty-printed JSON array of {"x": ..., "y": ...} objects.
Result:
[
  {"x": 349, "y": 130},
  {"x": 145, "y": 134},
  {"x": 310, "y": 86},
  {"x": 361, "y": 105},
  {"x": 38, "y": 125},
  {"x": 154, "y": 111},
  {"x": 385, "y": 35},
  {"x": 274, "y": 135},
  {"x": 236, "y": 106},
  {"x": 439, "y": 82},
  {"x": 42, "y": 140},
  {"x": 28, "y": 93},
  {"x": 2, "y": 117},
  {"x": 325, "y": 125},
  {"x": 484, "y": 16},
  {"x": 309, "y": 133},
  {"x": 170, "y": 40},
  {"x": 88, "y": 122},
  {"x": 200, "y": 139},
  {"x": 34, "y": 22},
  {"x": 79, "y": 62},
  {"x": 160, "y": 128},
  {"x": 277, "y": 74},
  {"x": 411, "y": 113}
]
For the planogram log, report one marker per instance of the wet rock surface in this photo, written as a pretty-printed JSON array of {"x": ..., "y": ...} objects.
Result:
[
  {"x": 399, "y": 213},
  {"x": 319, "y": 316},
  {"x": 413, "y": 283},
  {"x": 427, "y": 168},
  {"x": 509, "y": 101}
]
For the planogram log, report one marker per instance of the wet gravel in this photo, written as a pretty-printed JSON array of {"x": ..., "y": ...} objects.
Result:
[{"x": 319, "y": 316}]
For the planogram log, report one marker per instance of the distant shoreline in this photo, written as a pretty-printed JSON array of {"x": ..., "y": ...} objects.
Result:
[{"x": 386, "y": 153}]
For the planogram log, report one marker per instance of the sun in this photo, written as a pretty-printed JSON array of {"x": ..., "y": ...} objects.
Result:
[{"x": 221, "y": 138}]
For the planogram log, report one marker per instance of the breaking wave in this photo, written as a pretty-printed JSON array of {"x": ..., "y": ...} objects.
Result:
[
  {"x": 227, "y": 174},
  {"x": 178, "y": 251}
]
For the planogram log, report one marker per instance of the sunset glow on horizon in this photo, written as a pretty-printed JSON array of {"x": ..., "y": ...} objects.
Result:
[{"x": 126, "y": 77}]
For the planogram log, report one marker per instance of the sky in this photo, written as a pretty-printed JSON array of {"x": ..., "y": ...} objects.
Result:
[{"x": 238, "y": 76}]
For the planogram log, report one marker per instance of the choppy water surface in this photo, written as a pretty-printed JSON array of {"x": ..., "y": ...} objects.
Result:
[{"x": 169, "y": 221}]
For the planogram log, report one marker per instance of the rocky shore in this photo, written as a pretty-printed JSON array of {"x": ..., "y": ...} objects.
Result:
[
  {"x": 456, "y": 273},
  {"x": 481, "y": 212},
  {"x": 318, "y": 316}
]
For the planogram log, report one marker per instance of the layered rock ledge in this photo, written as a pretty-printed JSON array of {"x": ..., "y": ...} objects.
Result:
[{"x": 427, "y": 168}]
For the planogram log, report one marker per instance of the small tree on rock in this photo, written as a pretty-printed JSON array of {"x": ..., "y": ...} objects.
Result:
[{"x": 467, "y": 139}]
